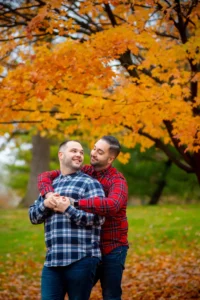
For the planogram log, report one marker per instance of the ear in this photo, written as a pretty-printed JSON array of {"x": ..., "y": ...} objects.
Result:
[
  {"x": 111, "y": 159},
  {"x": 60, "y": 155}
]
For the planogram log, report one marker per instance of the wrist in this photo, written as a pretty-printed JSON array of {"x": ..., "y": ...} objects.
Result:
[{"x": 46, "y": 204}]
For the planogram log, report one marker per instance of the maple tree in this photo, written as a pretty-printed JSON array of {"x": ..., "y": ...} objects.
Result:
[{"x": 128, "y": 68}]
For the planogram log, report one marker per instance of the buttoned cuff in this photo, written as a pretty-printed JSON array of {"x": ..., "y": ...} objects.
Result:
[{"x": 69, "y": 212}]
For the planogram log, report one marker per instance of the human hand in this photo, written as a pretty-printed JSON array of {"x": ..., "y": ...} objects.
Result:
[
  {"x": 51, "y": 200},
  {"x": 62, "y": 203},
  {"x": 49, "y": 194}
]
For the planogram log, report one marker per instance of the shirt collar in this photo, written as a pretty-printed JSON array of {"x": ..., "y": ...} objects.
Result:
[{"x": 70, "y": 175}]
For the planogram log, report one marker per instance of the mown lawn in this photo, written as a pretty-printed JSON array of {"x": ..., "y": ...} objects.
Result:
[
  {"x": 18, "y": 236},
  {"x": 163, "y": 260},
  {"x": 164, "y": 227}
]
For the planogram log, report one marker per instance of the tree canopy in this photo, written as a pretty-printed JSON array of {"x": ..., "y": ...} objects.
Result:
[{"x": 128, "y": 68}]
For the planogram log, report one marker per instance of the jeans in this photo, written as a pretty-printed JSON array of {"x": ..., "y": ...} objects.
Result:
[
  {"x": 110, "y": 273},
  {"x": 76, "y": 280}
]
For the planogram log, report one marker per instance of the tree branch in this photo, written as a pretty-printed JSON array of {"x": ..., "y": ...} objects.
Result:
[
  {"x": 166, "y": 35},
  {"x": 179, "y": 148},
  {"x": 15, "y": 12},
  {"x": 110, "y": 15},
  {"x": 159, "y": 144}
]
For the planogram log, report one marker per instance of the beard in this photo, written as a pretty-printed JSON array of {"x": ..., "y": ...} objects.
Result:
[{"x": 96, "y": 163}]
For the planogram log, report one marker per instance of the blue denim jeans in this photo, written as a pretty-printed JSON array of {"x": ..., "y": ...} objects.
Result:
[
  {"x": 110, "y": 273},
  {"x": 76, "y": 280}
]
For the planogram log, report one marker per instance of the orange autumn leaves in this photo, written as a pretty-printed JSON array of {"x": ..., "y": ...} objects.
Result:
[
  {"x": 88, "y": 85},
  {"x": 152, "y": 276}
]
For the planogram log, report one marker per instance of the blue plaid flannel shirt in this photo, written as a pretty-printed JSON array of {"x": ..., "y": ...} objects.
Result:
[{"x": 74, "y": 234}]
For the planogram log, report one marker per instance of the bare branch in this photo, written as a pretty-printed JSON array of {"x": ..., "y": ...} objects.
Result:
[
  {"x": 159, "y": 144},
  {"x": 110, "y": 15}
]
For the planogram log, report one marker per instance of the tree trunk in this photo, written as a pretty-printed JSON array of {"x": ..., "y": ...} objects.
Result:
[
  {"x": 161, "y": 184},
  {"x": 39, "y": 164},
  {"x": 196, "y": 164}
]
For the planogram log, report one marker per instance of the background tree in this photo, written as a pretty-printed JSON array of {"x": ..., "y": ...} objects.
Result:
[
  {"x": 152, "y": 180},
  {"x": 14, "y": 18},
  {"x": 30, "y": 157},
  {"x": 133, "y": 71},
  {"x": 39, "y": 163}
]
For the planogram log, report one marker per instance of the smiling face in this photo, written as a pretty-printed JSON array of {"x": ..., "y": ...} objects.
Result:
[
  {"x": 101, "y": 157},
  {"x": 71, "y": 157}
]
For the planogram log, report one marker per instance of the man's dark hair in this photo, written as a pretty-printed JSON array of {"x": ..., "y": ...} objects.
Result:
[
  {"x": 115, "y": 146},
  {"x": 63, "y": 144}
]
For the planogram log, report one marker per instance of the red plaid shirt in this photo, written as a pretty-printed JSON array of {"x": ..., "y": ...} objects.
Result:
[{"x": 115, "y": 229}]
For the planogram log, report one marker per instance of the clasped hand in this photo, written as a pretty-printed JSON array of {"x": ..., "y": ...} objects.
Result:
[{"x": 56, "y": 202}]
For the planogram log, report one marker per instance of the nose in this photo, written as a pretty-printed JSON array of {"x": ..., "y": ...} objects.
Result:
[{"x": 78, "y": 154}]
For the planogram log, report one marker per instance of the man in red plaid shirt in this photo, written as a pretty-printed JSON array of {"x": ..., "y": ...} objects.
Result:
[{"x": 114, "y": 243}]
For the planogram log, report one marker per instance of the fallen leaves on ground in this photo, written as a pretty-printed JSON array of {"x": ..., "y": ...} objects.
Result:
[{"x": 150, "y": 276}]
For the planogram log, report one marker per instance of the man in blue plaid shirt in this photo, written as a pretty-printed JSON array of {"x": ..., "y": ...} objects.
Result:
[{"x": 72, "y": 236}]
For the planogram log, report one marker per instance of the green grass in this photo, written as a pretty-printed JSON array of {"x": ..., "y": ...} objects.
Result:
[
  {"x": 19, "y": 237},
  {"x": 165, "y": 228}
]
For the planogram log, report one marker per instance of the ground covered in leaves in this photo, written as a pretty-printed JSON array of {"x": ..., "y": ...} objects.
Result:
[{"x": 150, "y": 276}]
